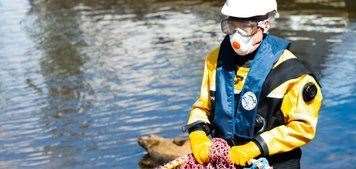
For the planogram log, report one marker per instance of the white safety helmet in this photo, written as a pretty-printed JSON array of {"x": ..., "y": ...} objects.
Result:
[{"x": 248, "y": 8}]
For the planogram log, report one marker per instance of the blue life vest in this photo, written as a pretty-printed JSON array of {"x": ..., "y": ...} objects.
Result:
[{"x": 235, "y": 117}]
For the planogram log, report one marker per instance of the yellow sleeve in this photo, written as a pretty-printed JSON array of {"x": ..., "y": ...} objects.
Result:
[
  {"x": 301, "y": 118},
  {"x": 201, "y": 109}
]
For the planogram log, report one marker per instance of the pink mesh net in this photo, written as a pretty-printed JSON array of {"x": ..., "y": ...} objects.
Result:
[{"x": 219, "y": 157}]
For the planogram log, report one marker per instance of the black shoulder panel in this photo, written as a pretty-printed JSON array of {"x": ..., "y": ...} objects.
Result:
[
  {"x": 289, "y": 69},
  {"x": 269, "y": 108}
]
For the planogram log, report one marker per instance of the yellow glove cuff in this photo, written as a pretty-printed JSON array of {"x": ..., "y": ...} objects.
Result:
[{"x": 198, "y": 134}]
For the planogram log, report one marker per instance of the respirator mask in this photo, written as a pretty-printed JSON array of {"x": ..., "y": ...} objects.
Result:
[{"x": 241, "y": 33}]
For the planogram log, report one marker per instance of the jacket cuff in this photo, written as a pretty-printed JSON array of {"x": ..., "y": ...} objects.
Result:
[
  {"x": 198, "y": 125},
  {"x": 262, "y": 146}
]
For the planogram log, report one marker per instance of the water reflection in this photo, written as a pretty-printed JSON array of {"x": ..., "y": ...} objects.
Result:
[
  {"x": 312, "y": 26},
  {"x": 335, "y": 144},
  {"x": 96, "y": 47},
  {"x": 65, "y": 117},
  {"x": 82, "y": 79}
]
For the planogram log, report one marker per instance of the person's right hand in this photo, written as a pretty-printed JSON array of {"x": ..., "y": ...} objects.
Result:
[{"x": 200, "y": 145}]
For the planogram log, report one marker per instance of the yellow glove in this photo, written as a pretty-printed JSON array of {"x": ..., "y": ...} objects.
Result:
[
  {"x": 200, "y": 145},
  {"x": 242, "y": 155}
]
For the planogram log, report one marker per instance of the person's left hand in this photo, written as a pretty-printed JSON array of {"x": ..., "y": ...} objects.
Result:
[{"x": 242, "y": 155}]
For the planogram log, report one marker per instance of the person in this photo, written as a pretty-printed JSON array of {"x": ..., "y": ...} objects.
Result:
[{"x": 255, "y": 93}]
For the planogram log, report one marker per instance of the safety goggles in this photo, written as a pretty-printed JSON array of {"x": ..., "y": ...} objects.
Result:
[{"x": 244, "y": 27}]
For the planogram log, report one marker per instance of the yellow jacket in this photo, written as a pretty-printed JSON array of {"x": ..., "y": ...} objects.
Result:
[{"x": 300, "y": 117}]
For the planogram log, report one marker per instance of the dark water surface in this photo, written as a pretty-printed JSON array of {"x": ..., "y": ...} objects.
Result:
[{"x": 80, "y": 80}]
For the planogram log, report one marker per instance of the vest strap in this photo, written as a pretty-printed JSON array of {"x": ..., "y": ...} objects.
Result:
[{"x": 268, "y": 53}]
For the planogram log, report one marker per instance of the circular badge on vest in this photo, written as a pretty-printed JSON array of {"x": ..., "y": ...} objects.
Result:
[{"x": 249, "y": 101}]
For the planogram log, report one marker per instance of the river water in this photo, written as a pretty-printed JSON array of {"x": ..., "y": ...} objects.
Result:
[{"x": 81, "y": 80}]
